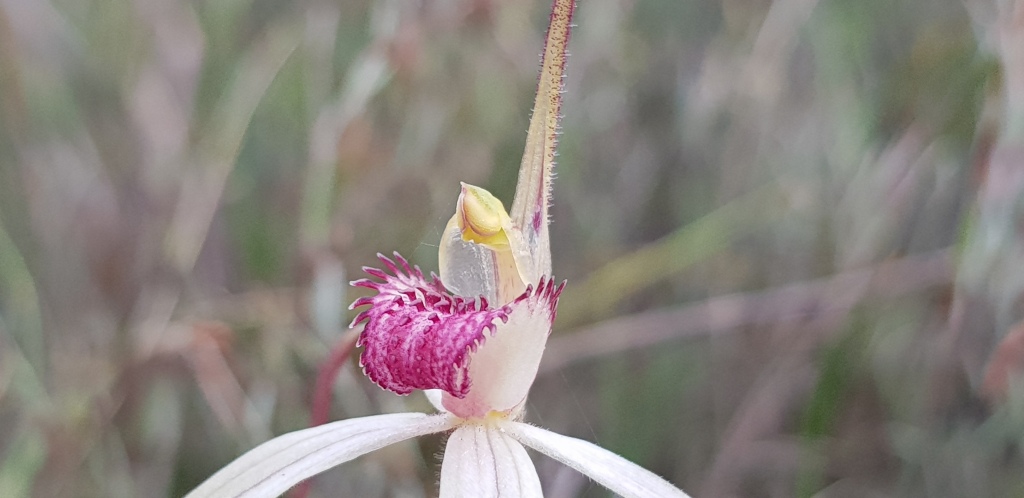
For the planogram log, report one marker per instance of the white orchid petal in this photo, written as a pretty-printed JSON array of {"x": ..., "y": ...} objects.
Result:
[
  {"x": 276, "y": 465},
  {"x": 434, "y": 396},
  {"x": 483, "y": 462},
  {"x": 610, "y": 470}
]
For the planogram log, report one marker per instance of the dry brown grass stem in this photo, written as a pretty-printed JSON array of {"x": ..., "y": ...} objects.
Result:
[{"x": 836, "y": 294}]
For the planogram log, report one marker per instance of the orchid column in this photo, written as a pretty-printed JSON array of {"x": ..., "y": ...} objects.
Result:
[{"x": 471, "y": 339}]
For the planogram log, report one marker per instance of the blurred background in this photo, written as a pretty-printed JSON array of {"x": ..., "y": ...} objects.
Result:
[{"x": 793, "y": 232}]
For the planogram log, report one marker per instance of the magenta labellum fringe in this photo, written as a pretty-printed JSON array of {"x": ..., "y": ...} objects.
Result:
[{"x": 418, "y": 335}]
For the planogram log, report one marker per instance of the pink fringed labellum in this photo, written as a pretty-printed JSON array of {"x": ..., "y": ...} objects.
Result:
[{"x": 417, "y": 335}]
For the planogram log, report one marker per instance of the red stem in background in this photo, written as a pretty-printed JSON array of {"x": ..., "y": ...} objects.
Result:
[
  {"x": 325, "y": 377},
  {"x": 322, "y": 392}
]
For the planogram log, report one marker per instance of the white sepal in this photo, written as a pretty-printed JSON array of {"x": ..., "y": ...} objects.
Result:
[
  {"x": 276, "y": 465},
  {"x": 483, "y": 462},
  {"x": 610, "y": 470}
]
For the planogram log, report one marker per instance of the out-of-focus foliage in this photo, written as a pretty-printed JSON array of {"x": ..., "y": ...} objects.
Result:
[{"x": 792, "y": 229}]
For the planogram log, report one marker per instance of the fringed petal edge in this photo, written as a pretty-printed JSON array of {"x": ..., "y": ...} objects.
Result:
[{"x": 416, "y": 334}]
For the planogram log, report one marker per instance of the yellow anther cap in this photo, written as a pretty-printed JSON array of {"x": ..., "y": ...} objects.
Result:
[{"x": 482, "y": 217}]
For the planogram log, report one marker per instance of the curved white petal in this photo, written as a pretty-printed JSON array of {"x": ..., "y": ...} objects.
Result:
[
  {"x": 610, "y": 470},
  {"x": 483, "y": 462},
  {"x": 434, "y": 396},
  {"x": 276, "y": 465}
]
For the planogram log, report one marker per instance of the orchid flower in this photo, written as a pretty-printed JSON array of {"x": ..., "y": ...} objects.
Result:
[{"x": 473, "y": 343}]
